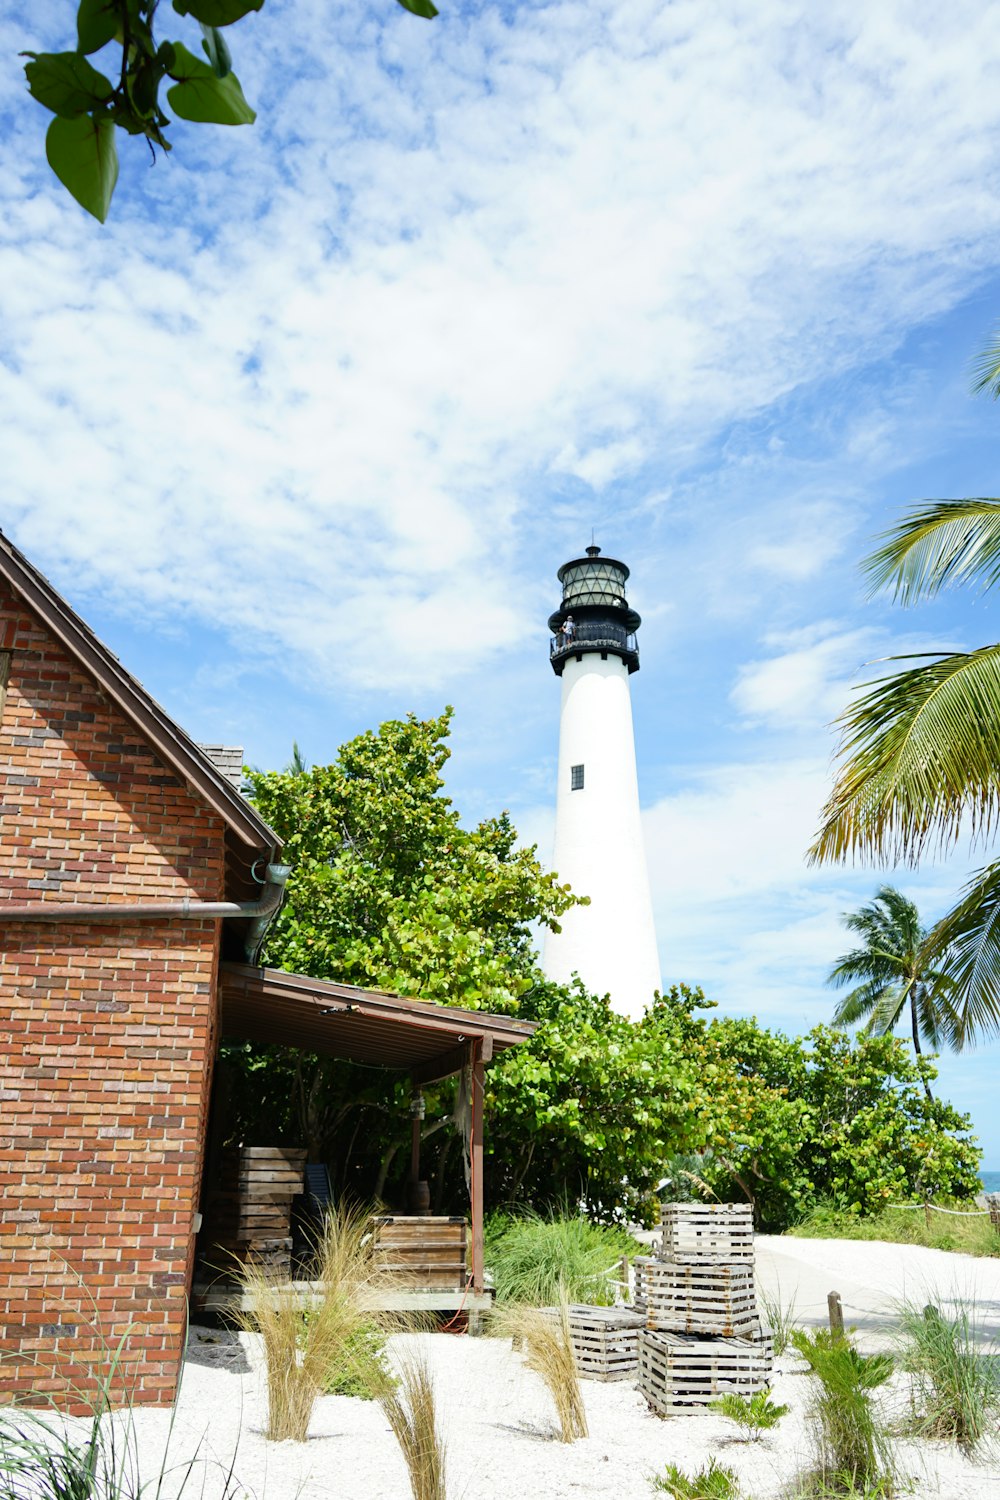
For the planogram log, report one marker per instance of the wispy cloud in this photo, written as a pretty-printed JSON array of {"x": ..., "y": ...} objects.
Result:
[{"x": 329, "y": 362}]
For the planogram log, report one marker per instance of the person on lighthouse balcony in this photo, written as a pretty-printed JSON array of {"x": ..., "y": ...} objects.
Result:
[{"x": 568, "y": 630}]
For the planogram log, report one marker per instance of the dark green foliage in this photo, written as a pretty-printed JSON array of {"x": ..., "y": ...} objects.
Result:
[
  {"x": 852, "y": 1447},
  {"x": 711, "y": 1482},
  {"x": 956, "y": 1372},
  {"x": 537, "y": 1261},
  {"x": 83, "y": 153},
  {"x": 390, "y": 890}
]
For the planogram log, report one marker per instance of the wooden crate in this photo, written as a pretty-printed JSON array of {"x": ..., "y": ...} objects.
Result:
[
  {"x": 605, "y": 1340},
  {"x": 423, "y": 1251},
  {"x": 683, "y": 1370},
  {"x": 710, "y": 1298},
  {"x": 250, "y": 1212},
  {"x": 697, "y": 1232}
]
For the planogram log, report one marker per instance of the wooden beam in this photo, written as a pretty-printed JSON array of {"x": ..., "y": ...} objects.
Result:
[
  {"x": 444, "y": 1066},
  {"x": 478, "y": 1081}
]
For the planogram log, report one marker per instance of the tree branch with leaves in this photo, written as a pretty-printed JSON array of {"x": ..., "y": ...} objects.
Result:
[{"x": 90, "y": 108}]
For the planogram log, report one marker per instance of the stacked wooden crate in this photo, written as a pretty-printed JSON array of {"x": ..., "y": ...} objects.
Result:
[
  {"x": 425, "y": 1252},
  {"x": 605, "y": 1340},
  {"x": 702, "y": 1336},
  {"x": 251, "y": 1213}
]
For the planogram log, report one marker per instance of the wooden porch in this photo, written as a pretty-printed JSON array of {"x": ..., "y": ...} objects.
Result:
[{"x": 439, "y": 1261}]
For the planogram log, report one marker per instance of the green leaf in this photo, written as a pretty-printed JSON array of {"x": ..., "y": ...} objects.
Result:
[
  {"x": 200, "y": 95},
  {"x": 217, "y": 51},
  {"x": 65, "y": 83},
  {"x": 96, "y": 24},
  {"x": 420, "y": 8},
  {"x": 217, "y": 12},
  {"x": 83, "y": 155}
]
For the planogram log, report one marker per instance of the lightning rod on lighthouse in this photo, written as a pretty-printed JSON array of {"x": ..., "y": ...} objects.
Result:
[{"x": 599, "y": 848}]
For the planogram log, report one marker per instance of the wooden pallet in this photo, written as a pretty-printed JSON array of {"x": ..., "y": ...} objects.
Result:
[
  {"x": 250, "y": 1213},
  {"x": 682, "y": 1370},
  {"x": 709, "y": 1298},
  {"x": 423, "y": 1251},
  {"x": 694, "y": 1233},
  {"x": 605, "y": 1340}
]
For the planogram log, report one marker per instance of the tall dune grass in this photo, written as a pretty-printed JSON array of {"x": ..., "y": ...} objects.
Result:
[
  {"x": 956, "y": 1379},
  {"x": 302, "y": 1342},
  {"x": 409, "y": 1406},
  {"x": 548, "y": 1350},
  {"x": 533, "y": 1260},
  {"x": 972, "y": 1235}
]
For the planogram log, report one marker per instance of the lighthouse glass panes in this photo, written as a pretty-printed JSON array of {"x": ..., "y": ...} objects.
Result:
[
  {"x": 610, "y": 942},
  {"x": 593, "y": 582}
]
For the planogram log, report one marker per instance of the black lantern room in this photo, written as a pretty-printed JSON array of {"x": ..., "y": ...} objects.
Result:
[{"x": 594, "y": 615}]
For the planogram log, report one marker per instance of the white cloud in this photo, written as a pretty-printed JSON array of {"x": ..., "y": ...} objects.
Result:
[{"x": 311, "y": 380}]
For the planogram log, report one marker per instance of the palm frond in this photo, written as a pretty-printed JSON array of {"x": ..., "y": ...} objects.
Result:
[
  {"x": 968, "y": 940},
  {"x": 986, "y": 369},
  {"x": 919, "y": 753},
  {"x": 863, "y": 1002},
  {"x": 938, "y": 543},
  {"x": 885, "y": 1016}
]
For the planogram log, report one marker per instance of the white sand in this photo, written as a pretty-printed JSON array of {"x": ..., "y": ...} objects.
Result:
[{"x": 499, "y": 1424}]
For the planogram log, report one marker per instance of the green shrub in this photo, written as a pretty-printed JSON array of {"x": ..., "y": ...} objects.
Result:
[
  {"x": 853, "y": 1454},
  {"x": 956, "y": 1384},
  {"x": 532, "y": 1259},
  {"x": 711, "y": 1482},
  {"x": 755, "y": 1414},
  {"x": 360, "y": 1367}
]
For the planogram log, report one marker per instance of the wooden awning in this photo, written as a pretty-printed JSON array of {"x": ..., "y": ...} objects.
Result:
[{"x": 418, "y": 1037}]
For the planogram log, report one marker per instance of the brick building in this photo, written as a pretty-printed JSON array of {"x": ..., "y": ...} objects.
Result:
[{"x": 136, "y": 888}]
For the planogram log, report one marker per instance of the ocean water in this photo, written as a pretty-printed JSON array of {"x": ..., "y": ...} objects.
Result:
[{"x": 990, "y": 1181}]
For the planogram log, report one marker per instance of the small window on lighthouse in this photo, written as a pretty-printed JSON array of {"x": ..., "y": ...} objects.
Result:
[{"x": 576, "y": 778}]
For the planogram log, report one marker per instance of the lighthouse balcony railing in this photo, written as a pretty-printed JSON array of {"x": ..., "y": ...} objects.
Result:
[{"x": 593, "y": 635}]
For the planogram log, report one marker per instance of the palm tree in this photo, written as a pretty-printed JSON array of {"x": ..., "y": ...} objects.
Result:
[
  {"x": 896, "y": 967},
  {"x": 921, "y": 753}
]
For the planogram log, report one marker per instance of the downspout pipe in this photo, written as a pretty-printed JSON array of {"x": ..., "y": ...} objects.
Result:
[{"x": 260, "y": 912}]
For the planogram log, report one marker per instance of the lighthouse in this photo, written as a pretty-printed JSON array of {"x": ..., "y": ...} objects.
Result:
[{"x": 598, "y": 849}]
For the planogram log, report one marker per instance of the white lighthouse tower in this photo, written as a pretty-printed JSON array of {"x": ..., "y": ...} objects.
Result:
[{"x": 599, "y": 850}]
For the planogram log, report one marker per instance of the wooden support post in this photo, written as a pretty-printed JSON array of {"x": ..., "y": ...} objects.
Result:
[
  {"x": 478, "y": 1079},
  {"x": 836, "y": 1308},
  {"x": 415, "y": 1148},
  {"x": 927, "y": 1217},
  {"x": 993, "y": 1204}
]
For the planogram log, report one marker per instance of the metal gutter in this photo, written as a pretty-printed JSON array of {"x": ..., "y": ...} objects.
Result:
[{"x": 261, "y": 912}]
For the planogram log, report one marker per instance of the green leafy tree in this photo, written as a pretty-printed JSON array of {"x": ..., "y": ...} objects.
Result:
[
  {"x": 920, "y": 754},
  {"x": 898, "y": 969},
  {"x": 89, "y": 107},
  {"x": 389, "y": 890}
]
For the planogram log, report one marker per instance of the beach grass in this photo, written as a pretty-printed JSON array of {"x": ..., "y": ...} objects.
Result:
[
  {"x": 534, "y": 1260},
  {"x": 548, "y": 1350},
  {"x": 956, "y": 1373},
  {"x": 302, "y": 1343},
  {"x": 409, "y": 1406},
  {"x": 906, "y": 1226}
]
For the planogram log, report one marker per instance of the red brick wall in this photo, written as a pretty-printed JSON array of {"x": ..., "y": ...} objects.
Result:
[{"x": 109, "y": 1034}]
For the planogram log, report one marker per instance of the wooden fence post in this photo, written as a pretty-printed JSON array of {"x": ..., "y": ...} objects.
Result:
[{"x": 836, "y": 1309}]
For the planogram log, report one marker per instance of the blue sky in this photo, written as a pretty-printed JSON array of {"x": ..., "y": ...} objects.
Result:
[{"x": 307, "y": 428}]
